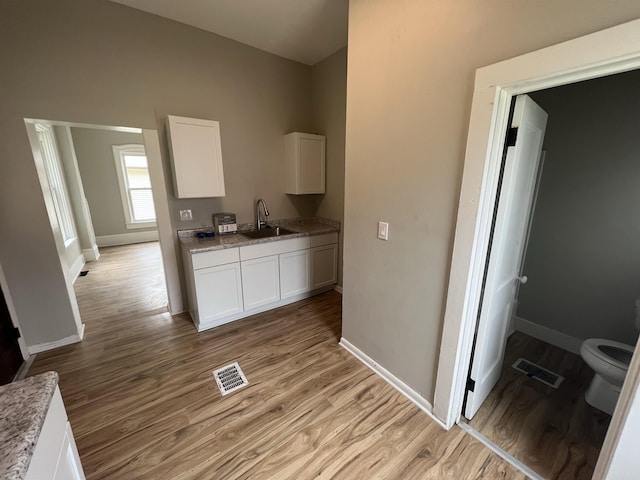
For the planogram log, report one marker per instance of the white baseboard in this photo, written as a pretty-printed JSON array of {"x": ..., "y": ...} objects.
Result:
[
  {"x": 76, "y": 268},
  {"x": 91, "y": 254},
  {"x": 392, "y": 380},
  {"x": 127, "y": 238},
  {"x": 338, "y": 289},
  {"x": 546, "y": 334},
  {"x": 43, "y": 347}
]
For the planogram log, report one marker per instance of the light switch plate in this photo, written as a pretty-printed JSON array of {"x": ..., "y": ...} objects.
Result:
[
  {"x": 185, "y": 215},
  {"x": 383, "y": 230}
]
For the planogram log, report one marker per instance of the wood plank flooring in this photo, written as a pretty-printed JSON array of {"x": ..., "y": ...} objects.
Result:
[
  {"x": 143, "y": 404},
  {"x": 554, "y": 432}
]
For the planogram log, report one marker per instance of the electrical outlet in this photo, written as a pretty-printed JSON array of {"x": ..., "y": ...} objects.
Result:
[
  {"x": 185, "y": 215},
  {"x": 383, "y": 230}
]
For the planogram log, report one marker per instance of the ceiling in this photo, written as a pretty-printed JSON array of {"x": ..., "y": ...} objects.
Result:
[{"x": 306, "y": 31}]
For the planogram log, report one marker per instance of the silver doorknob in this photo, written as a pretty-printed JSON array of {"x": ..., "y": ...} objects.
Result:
[{"x": 523, "y": 279}]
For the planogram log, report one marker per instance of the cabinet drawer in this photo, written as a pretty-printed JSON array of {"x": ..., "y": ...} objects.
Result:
[
  {"x": 216, "y": 257},
  {"x": 274, "y": 248},
  {"x": 324, "y": 239}
]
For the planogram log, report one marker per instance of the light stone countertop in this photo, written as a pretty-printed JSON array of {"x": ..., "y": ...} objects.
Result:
[
  {"x": 23, "y": 408},
  {"x": 301, "y": 227}
]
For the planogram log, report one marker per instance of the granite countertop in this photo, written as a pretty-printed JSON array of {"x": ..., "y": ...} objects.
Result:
[
  {"x": 303, "y": 227},
  {"x": 23, "y": 408}
]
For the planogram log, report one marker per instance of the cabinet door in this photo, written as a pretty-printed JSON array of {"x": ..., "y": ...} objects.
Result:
[
  {"x": 324, "y": 266},
  {"x": 260, "y": 281},
  {"x": 69, "y": 467},
  {"x": 196, "y": 155},
  {"x": 218, "y": 292},
  {"x": 294, "y": 273}
]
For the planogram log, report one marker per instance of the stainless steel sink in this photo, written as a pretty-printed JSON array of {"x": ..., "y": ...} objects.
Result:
[{"x": 268, "y": 232}]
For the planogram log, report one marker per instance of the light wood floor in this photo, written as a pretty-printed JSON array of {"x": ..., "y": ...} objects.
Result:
[
  {"x": 554, "y": 432},
  {"x": 143, "y": 403}
]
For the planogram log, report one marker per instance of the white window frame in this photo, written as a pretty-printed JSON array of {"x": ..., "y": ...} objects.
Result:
[
  {"x": 119, "y": 152},
  {"x": 57, "y": 182}
]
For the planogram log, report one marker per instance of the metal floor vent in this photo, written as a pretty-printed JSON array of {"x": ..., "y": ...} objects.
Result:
[
  {"x": 230, "y": 378},
  {"x": 535, "y": 371}
]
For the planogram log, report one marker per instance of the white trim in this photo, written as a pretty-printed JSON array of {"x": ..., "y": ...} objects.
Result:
[
  {"x": 413, "y": 396},
  {"x": 91, "y": 254},
  {"x": 168, "y": 239},
  {"x": 603, "y": 53},
  {"x": 338, "y": 288},
  {"x": 532, "y": 474},
  {"x": 134, "y": 225},
  {"x": 127, "y": 238},
  {"x": 43, "y": 347},
  {"x": 76, "y": 268},
  {"x": 549, "y": 335}
]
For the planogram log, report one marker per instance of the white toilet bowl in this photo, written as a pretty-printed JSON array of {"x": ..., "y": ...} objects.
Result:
[{"x": 610, "y": 360}]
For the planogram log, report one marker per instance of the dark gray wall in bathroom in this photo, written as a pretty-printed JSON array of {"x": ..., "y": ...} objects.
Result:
[{"x": 583, "y": 259}]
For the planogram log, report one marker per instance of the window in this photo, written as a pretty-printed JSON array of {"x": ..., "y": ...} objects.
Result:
[
  {"x": 57, "y": 185},
  {"x": 135, "y": 185}
]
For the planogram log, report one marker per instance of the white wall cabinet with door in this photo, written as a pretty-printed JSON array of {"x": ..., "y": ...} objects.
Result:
[
  {"x": 196, "y": 157},
  {"x": 305, "y": 163}
]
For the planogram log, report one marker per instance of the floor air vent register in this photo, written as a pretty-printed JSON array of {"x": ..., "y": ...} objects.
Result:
[
  {"x": 543, "y": 375},
  {"x": 230, "y": 378}
]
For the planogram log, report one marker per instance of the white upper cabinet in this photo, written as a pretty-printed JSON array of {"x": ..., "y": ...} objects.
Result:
[
  {"x": 305, "y": 163},
  {"x": 196, "y": 157}
]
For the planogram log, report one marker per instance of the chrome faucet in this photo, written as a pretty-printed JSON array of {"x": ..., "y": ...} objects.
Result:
[{"x": 259, "y": 222}]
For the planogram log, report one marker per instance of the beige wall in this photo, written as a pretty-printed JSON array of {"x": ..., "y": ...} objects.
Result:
[
  {"x": 98, "y": 171},
  {"x": 411, "y": 67},
  {"x": 329, "y": 94},
  {"x": 583, "y": 260},
  {"x": 93, "y": 61}
]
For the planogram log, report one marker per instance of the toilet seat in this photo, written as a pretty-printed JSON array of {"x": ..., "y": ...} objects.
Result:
[{"x": 592, "y": 344}]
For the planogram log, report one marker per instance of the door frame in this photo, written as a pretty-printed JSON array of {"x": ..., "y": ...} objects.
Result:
[
  {"x": 610, "y": 51},
  {"x": 168, "y": 241}
]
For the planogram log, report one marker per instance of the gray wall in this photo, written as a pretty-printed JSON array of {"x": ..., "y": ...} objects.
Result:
[
  {"x": 93, "y": 61},
  {"x": 583, "y": 259},
  {"x": 410, "y": 81},
  {"x": 98, "y": 171},
  {"x": 329, "y": 94}
]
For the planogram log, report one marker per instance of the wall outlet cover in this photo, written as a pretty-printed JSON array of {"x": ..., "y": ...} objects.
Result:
[{"x": 185, "y": 215}]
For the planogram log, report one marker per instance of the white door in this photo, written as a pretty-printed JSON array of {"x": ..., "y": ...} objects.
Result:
[{"x": 506, "y": 247}]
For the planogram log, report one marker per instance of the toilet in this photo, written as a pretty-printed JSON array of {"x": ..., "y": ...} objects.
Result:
[{"x": 610, "y": 360}]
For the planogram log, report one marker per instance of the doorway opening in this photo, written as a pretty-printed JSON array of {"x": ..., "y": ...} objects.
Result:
[
  {"x": 583, "y": 279},
  {"x": 604, "y": 53},
  {"x": 114, "y": 196}
]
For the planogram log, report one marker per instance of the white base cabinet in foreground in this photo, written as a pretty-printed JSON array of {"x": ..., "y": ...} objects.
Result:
[
  {"x": 55, "y": 456},
  {"x": 229, "y": 284}
]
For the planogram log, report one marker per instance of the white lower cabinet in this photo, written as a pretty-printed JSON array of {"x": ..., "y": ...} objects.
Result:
[
  {"x": 228, "y": 284},
  {"x": 324, "y": 266},
  {"x": 218, "y": 292},
  {"x": 260, "y": 281},
  {"x": 55, "y": 455},
  {"x": 294, "y": 273}
]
